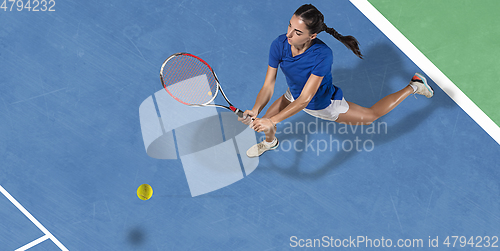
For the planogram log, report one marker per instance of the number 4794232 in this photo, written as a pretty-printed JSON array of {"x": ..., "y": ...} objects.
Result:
[{"x": 28, "y": 5}]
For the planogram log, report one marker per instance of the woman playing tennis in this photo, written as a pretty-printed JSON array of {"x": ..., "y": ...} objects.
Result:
[{"x": 306, "y": 63}]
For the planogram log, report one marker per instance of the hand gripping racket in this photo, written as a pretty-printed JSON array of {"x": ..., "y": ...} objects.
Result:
[{"x": 191, "y": 81}]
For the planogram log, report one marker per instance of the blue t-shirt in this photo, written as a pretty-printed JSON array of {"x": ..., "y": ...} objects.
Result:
[{"x": 316, "y": 60}]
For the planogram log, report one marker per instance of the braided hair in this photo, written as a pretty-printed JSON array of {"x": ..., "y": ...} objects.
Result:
[{"x": 314, "y": 21}]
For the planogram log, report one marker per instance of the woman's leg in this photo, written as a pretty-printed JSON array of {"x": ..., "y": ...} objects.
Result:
[
  {"x": 364, "y": 116},
  {"x": 274, "y": 109},
  {"x": 262, "y": 147}
]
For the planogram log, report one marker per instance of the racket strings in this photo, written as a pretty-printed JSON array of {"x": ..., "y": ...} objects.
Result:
[{"x": 189, "y": 80}]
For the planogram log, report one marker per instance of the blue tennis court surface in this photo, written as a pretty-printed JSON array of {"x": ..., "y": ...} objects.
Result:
[{"x": 72, "y": 151}]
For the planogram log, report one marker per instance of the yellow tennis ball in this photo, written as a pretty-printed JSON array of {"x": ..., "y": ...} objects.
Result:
[
  {"x": 209, "y": 93},
  {"x": 144, "y": 192}
]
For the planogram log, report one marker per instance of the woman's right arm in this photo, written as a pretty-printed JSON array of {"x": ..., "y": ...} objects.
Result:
[{"x": 265, "y": 94}]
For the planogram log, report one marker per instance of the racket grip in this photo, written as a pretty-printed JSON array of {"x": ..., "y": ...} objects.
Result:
[{"x": 240, "y": 113}]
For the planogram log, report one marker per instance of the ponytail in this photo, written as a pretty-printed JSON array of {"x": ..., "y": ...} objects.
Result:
[
  {"x": 349, "y": 41},
  {"x": 313, "y": 19}
]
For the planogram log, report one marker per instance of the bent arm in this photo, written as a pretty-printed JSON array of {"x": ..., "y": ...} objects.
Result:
[
  {"x": 310, "y": 89},
  {"x": 267, "y": 90}
]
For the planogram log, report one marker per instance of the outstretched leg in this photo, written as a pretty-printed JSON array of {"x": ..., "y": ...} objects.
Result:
[
  {"x": 358, "y": 115},
  {"x": 364, "y": 116}
]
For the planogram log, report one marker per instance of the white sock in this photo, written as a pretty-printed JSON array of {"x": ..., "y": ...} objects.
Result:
[
  {"x": 270, "y": 143},
  {"x": 415, "y": 88}
]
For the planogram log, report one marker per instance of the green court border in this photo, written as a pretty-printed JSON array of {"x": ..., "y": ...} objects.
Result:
[
  {"x": 428, "y": 68},
  {"x": 458, "y": 36}
]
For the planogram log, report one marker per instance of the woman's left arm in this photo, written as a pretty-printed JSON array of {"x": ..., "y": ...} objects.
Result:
[{"x": 310, "y": 89}]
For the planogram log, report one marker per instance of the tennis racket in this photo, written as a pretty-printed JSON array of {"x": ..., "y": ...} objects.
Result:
[{"x": 191, "y": 81}]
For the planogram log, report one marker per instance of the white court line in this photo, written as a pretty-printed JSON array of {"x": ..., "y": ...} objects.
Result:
[
  {"x": 33, "y": 243},
  {"x": 429, "y": 68},
  {"x": 32, "y": 219}
]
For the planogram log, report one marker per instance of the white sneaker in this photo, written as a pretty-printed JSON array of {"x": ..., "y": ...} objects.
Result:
[
  {"x": 423, "y": 88},
  {"x": 262, "y": 147}
]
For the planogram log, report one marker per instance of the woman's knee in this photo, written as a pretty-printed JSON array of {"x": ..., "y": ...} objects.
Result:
[{"x": 372, "y": 116}]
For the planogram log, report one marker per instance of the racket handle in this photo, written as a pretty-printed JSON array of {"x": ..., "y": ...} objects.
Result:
[{"x": 240, "y": 113}]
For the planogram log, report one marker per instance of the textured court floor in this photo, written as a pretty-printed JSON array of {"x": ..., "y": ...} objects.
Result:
[{"x": 72, "y": 152}]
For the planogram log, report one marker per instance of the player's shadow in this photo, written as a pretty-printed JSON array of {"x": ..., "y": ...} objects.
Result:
[{"x": 382, "y": 72}]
